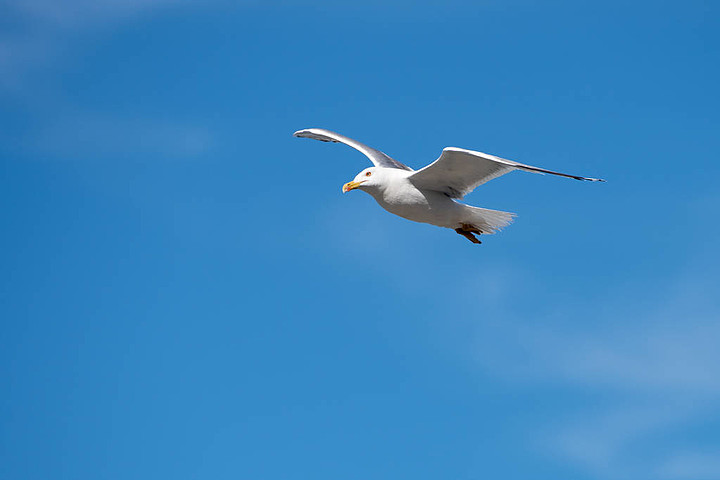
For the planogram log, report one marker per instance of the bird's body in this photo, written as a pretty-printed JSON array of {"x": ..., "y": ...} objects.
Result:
[
  {"x": 425, "y": 206},
  {"x": 398, "y": 195},
  {"x": 429, "y": 195}
]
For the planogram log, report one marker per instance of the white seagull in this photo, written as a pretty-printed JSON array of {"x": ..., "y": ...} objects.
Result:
[{"x": 430, "y": 195}]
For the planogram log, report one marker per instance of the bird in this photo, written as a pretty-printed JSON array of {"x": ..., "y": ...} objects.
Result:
[{"x": 431, "y": 194}]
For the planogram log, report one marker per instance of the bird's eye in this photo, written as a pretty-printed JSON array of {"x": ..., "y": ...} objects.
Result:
[{"x": 368, "y": 174}]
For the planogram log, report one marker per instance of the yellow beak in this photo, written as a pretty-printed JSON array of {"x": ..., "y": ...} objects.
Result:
[{"x": 351, "y": 186}]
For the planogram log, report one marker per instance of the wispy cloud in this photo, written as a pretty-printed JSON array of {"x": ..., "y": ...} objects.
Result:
[
  {"x": 692, "y": 466},
  {"x": 651, "y": 374},
  {"x": 45, "y": 33},
  {"x": 76, "y": 14},
  {"x": 43, "y": 30},
  {"x": 20, "y": 55},
  {"x": 100, "y": 135}
]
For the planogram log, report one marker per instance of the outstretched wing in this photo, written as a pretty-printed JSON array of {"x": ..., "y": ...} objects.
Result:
[
  {"x": 378, "y": 158},
  {"x": 458, "y": 171}
]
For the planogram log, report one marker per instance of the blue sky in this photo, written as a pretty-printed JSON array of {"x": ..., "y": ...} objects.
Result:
[{"x": 187, "y": 294}]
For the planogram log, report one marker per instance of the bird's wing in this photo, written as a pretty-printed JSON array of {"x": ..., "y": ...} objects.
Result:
[
  {"x": 378, "y": 158},
  {"x": 458, "y": 171}
]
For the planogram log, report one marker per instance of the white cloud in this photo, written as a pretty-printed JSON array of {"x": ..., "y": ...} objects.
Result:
[
  {"x": 43, "y": 30},
  {"x": 99, "y": 135},
  {"x": 75, "y": 14},
  {"x": 645, "y": 377},
  {"x": 692, "y": 466},
  {"x": 44, "y": 34}
]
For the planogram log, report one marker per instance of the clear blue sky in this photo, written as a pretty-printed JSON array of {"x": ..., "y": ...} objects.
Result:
[{"x": 186, "y": 294}]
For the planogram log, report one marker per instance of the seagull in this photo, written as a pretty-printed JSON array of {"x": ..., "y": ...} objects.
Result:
[{"x": 431, "y": 194}]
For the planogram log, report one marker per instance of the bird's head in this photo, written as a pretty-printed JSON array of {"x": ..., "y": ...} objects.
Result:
[{"x": 367, "y": 179}]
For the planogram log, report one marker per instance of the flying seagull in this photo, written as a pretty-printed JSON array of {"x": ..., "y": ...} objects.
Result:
[{"x": 431, "y": 194}]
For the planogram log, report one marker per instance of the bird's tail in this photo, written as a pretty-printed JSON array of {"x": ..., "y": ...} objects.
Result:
[{"x": 488, "y": 221}]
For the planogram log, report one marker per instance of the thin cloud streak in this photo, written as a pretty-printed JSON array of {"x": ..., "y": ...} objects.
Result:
[
  {"x": 78, "y": 14},
  {"x": 45, "y": 30},
  {"x": 692, "y": 466},
  {"x": 655, "y": 373},
  {"x": 45, "y": 35},
  {"x": 99, "y": 135}
]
